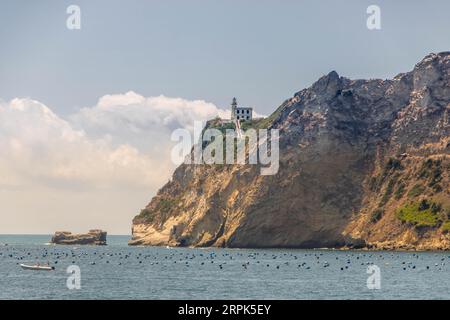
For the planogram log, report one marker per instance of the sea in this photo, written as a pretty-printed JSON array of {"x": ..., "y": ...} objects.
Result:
[{"x": 117, "y": 271}]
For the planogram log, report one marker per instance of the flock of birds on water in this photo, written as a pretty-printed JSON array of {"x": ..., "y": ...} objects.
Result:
[{"x": 197, "y": 258}]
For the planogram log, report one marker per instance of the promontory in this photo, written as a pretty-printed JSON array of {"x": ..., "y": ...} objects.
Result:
[{"x": 363, "y": 163}]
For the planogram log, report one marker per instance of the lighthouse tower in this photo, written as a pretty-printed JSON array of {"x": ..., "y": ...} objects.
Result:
[{"x": 233, "y": 108}]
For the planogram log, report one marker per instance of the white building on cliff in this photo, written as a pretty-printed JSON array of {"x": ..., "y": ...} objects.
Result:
[{"x": 240, "y": 113}]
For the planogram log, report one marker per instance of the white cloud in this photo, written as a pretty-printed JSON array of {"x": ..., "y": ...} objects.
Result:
[
  {"x": 40, "y": 148},
  {"x": 117, "y": 151},
  {"x": 137, "y": 114}
]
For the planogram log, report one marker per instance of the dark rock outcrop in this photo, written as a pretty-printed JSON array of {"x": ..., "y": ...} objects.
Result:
[{"x": 93, "y": 237}]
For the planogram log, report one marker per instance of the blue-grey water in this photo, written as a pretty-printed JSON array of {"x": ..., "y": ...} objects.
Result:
[{"x": 117, "y": 271}]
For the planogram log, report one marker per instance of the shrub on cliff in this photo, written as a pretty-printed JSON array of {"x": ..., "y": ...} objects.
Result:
[
  {"x": 415, "y": 191},
  {"x": 377, "y": 215},
  {"x": 400, "y": 190},
  {"x": 420, "y": 214},
  {"x": 393, "y": 164},
  {"x": 446, "y": 227},
  {"x": 432, "y": 171}
]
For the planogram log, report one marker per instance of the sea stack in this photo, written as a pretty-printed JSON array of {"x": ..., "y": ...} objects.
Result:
[{"x": 93, "y": 237}]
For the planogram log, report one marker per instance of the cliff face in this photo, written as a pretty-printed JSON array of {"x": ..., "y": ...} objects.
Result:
[
  {"x": 93, "y": 237},
  {"x": 362, "y": 162}
]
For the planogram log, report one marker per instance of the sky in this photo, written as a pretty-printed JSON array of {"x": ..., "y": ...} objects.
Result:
[{"x": 86, "y": 115}]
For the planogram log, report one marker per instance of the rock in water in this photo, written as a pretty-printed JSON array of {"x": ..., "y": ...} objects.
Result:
[
  {"x": 362, "y": 163},
  {"x": 93, "y": 237}
]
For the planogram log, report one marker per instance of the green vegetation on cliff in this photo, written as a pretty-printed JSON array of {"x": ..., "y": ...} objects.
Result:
[
  {"x": 446, "y": 227},
  {"x": 421, "y": 214},
  {"x": 416, "y": 191},
  {"x": 431, "y": 171}
]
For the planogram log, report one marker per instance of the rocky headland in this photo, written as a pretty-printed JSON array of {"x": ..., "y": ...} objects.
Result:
[{"x": 363, "y": 163}]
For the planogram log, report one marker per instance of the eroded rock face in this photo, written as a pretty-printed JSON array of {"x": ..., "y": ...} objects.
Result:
[
  {"x": 336, "y": 137},
  {"x": 93, "y": 237}
]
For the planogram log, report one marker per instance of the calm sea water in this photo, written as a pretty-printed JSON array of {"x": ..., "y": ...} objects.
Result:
[{"x": 117, "y": 271}]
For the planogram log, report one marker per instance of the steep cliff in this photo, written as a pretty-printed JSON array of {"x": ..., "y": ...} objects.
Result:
[{"x": 362, "y": 162}]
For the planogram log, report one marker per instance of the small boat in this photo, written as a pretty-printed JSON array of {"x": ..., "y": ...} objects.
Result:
[{"x": 41, "y": 268}]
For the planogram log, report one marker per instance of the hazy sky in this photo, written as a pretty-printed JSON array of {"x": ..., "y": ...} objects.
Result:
[{"x": 86, "y": 115}]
